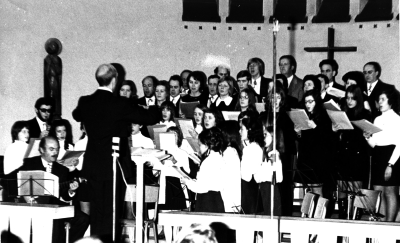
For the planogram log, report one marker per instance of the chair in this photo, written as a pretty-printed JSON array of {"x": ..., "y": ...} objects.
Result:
[
  {"x": 369, "y": 200},
  {"x": 308, "y": 205},
  {"x": 307, "y": 210},
  {"x": 320, "y": 210},
  {"x": 150, "y": 196}
]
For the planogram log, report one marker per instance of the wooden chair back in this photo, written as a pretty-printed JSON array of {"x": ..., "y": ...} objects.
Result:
[
  {"x": 320, "y": 210},
  {"x": 308, "y": 205},
  {"x": 368, "y": 199}
]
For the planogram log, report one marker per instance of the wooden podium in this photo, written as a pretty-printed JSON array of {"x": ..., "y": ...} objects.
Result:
[{"x": 18, "y": 216}]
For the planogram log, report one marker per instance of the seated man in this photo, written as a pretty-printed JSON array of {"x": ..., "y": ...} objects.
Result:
[{"x": 49, "y": 148}]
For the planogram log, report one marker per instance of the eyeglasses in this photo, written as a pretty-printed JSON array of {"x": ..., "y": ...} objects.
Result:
[
  {"x": 45, "y": 110},
  {"x": 309, "y": 101},
  {"x": 368, "y": 72}
]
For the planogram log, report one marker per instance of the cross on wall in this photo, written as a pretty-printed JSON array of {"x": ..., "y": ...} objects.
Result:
[{"x": 331, "y": 48}]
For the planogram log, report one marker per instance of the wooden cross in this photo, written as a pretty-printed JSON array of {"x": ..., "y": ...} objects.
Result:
[{"x": 331, "y": 49}]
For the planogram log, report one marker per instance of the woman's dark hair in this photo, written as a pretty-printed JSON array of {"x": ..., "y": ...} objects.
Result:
[
  {"x": 252, "y": 100},
  {"x": 358, "y": 96},
  {"x": 178, "y": 132},
  {"x": 16, "y": 128},
  {"x": 169, "y": 106},
  {"x": 231, "y": 136},
  {"x": 282, "y": 93},
  {"x": 199, "y": 76},
  {"x": 254, "y": 128},
  {"x": 132, "y": 85},
  {"x": 202, "y": 107},
  {"x": 356, "y": 76},
  {"x": 68, "y": 131},
  {"x": 212, "y": 138},
  {"x": 393, "y": 99},
  {"x": 315, "y": 80},
  {"x": 318, "y": 103},
  {"x": 285, "y": 83},
  {"x": 217, "y": 115},
  {"x": 280, "y": 143}
]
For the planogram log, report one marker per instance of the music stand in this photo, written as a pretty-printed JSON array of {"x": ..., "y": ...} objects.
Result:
[{"x": 37, "y": 183}]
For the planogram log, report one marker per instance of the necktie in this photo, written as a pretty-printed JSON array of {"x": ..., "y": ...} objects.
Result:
[
  {"x": 48, "y": 168},
  {"x": 255, "y": 82},
  {"x": 369, "y": 89},
  {"x": 149, "y": 102}
]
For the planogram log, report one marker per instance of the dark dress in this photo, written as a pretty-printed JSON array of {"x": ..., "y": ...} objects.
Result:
[
  {"x": 174, "y": 196},
  {"x": 352, "y": 157},
  {"x": 380, "y": 157},
  {"x": 202, "y": 98},
  {"x": 315, "y": 151}
]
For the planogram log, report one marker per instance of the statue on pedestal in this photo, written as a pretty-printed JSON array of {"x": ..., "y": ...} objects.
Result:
[{"x": 53, "y": 74}]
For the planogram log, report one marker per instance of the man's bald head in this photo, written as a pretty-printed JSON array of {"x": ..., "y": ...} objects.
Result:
[{"x": 105, "y": 74}]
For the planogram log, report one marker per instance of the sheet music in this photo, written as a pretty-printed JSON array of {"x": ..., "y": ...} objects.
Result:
[
  {"x": 70, "y": 156},
  {"x": 340, "y": 118},
  {"x": 331, "y": 105},
  {"x": 300, "y": 119},
  {"x": 185, "y": 125},
  {"x": 33, "y": 148},
  {"x": 335, "y": 92},
  {"x": 231, "y": 115},
  {"x": 44, "y": 183},
  {"x": 366, "y": 126},
  {"x": 260, "y": 107},
  {"x": 167, "y": 140},
  {"x": 156, "y": 128},
  {"x": 187, "y": 108},
  {"x": 194, "y": 143}
]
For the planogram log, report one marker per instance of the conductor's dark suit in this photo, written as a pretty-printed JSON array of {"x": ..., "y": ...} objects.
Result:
[
  {"x": 80, "y": 222},
  {"x": 296, "y": 88},
  {"x": 105, "y": 116},
  {"x": 374, "y": 97}
]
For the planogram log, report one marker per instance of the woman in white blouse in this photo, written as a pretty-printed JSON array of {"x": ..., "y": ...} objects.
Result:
[
  {"x": 386, "y": 153},
  {"x": 232, "y": 154},
  {"x": 209, "y": 182},
  {"x": 14, "y": 155},
  {"x": 227, "y": 99}
]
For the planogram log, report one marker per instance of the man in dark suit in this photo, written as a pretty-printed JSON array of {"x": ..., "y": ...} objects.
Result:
[
  {"x": 329, "y": 68},
  {"x": 175, "y": 84},
  {"x": 39, "y": 126},
  {"x": 288, "y": 67},
  {"x": 149, "y": 86},
  {"x": 375, "y": 87},
  {"x": 49, "y": 148},
  {"x": 256, "y": 67},
  {"x": 105, "y": 116},
  {"x": 212, "y": 84}
]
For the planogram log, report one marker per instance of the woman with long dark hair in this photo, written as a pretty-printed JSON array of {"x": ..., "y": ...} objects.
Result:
[
  {"x": 352, "y": 154},
  {"x": 315, "y": 146}
]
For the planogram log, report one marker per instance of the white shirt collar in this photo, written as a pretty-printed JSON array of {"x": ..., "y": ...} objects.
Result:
[
  {"x": 45, "y": 163},
  {"x": 289, "y": 80},
  {"x": 373, "y": 84},
  {"x": 227, "y": 101},
  {"x": 150, "y": 100},
  {"x": 104, "y": 88},
  {"x": 257, "y": 86},
  {"x": 174, "y": 99},
  {"x": 213, "y": 97}
]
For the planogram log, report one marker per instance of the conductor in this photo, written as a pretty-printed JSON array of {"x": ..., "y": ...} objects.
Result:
[{"x": 105, "y": 116}]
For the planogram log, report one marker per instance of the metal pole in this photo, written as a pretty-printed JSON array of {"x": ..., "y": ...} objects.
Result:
[
  {"x": 274, "y": 33},
  {"x": 115, "y": 154}
]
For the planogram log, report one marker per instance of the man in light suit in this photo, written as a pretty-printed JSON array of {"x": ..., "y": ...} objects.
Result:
[
  {"x": 288, "y": 67},
  {"x": 372, "y": 71},
  {"x": 39, "y": 126},
  {"x": 106, "y": 116}
]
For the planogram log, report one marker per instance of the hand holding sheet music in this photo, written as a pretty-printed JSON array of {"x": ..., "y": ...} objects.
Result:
[
  {"x": 186, "y": 126},
  {"x": 301, "y": 120},
  {"x": 340, "y": 120},
  {"x": 366, "y": 126}
]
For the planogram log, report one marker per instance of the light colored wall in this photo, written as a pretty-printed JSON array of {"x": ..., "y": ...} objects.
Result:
[{"x": 148, "y": 37}]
